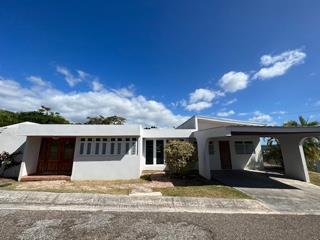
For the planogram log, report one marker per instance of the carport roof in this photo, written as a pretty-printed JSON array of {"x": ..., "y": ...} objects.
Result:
[{"x": 257, "y": 131}]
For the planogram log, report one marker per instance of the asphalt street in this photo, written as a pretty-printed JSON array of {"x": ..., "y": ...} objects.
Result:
[{"x": 22, "y": 224}]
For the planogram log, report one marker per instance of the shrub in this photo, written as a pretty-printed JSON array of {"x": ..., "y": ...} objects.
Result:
[
  {"x": 8, "y": 160},
  {"x": 180, "y": 157}
]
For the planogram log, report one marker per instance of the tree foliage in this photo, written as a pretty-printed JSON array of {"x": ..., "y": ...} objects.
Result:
[
  {"x": 43, "y": 115},
  {"x": 113, "y": 120},
  {"x": 180, "y": 157},
  {"x": 8, "y": 160}
]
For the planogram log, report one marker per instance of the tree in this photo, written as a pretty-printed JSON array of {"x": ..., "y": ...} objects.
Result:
[
  {"x": 180, "y": 157},
  {"x": 42, "y": 115},
  {"x": 112, "y": 120}
]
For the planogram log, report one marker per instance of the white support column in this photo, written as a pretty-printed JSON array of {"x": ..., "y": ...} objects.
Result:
[
  {"x": 140, "y": 152},
  {"x": 204, "y": 165},
  {"x": 293, "y": 157}
]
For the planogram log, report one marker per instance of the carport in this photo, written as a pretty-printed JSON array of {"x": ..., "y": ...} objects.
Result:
[{"x": 291, "y": 139}]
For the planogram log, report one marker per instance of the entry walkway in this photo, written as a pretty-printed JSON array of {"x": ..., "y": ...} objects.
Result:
[{"x": 275, "y": 191}]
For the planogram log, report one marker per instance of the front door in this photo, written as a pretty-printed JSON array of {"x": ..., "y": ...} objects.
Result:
[
  {"x": 225, "y": 156},
  {"x": 56, "y": 156}
]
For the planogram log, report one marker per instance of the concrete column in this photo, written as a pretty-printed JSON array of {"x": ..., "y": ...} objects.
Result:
[
  {"x": 204, "y": 164},
  {"x": 293, "y": 157},
  {"x": 140, "y": 152}
]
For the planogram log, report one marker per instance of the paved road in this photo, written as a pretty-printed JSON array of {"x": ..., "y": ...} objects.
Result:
[
  {"x": 20, "y": 224},
  {"x": 276, "y": 192}
]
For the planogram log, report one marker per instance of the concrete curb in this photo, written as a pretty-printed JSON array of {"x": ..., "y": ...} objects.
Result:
[{"x": 23, "y": 200}]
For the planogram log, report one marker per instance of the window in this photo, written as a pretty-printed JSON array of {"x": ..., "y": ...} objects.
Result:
[
  {"x": 82, "y": 142},
  {"x": 119, "y": 148},
  {"x": 104, "y": 148},
  {"x": 133, "y": 148},
  {"x": 211, "y": 147},
  {"x": 246, "y": 147},
  {"x": 112, "y": 146},
  {"x": 97, "y": 148},
  {"x": 89, "y": 148},
  {"x": 101, "y": 146}
]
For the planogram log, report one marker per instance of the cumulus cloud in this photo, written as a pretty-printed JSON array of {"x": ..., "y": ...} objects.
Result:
[
  {"x": 198, "y": 106},
  {"x": 202, "y": 94},
  {"x": 278, "y": 65},
  {"x": 225, "y": 113},
  {"x": 76, "y": 106},
  {"x": 261, "y": 118},
  {"x": 200, "y": 99},
  {"x": 234, "y": 81}
]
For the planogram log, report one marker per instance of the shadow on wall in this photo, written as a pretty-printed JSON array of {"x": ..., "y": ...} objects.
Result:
[{"x": 85, "y": 158}]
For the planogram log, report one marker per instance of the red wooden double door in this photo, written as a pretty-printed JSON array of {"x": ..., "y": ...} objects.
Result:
[{"x": 56, "y": 156}]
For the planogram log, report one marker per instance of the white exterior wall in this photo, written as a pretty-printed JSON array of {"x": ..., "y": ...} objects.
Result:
[
  {"x": 238, "y": 161},
  {"x": 105, "y": 167},
  {"x": 30, "y": 156},
  {"x": 12, "y": 143}
]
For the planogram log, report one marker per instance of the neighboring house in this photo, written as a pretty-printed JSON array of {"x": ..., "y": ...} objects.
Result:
[{"x": 105, "y": 152}]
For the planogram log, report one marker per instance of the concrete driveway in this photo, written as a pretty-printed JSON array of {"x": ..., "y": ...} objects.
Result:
[{"x": 275, "y": 191}]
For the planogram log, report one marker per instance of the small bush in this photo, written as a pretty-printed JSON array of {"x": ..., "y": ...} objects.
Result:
[
  {"x": 8, "y": 160},
  {"x": 180, "y": 157}
]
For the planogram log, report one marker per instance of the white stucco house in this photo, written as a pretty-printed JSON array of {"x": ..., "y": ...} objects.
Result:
[{"x": 105, "y": 152}]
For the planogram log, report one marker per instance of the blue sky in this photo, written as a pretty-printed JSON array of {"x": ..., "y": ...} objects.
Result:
[{"x": 158, "y": 62}]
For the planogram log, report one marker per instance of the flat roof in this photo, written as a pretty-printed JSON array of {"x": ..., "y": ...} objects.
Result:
[
  {"x": 258, "y": 131},
  {"x": 64, "y": 130}
]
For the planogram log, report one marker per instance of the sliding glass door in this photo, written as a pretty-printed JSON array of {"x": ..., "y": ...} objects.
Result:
[
  {"x": 160, "y": 151},
  {"x": 149, "y": 152}
]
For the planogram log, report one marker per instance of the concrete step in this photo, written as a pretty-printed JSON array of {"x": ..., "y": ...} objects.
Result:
[{"x": 45, "y": 178}]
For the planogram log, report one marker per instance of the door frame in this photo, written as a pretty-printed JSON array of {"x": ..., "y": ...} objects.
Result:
[{"x": 225, "y": 155}]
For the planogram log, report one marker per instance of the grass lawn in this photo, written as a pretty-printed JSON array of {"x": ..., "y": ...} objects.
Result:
[
  {"x": 314, "y": 178},
  {"x": 122, "y": 187},
  {"x": 196, "y": 186},
  {"x": 211, "y": 191},
  {"x": 191, "y": 186}
]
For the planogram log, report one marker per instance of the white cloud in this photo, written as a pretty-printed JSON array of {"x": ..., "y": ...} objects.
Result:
[
  {"x": 198, "y": 106},
  {"x": 200, "y": 99},
  {"x": 278, "y": 65},
  {"x": 96, "y": 85},
  {"x": 72, "y": 79},
  {"x": 38, "y": 81},
  {"x": 261, "y": 118},
  {"x": 225, "y": 113},
  {"x": 279, "y": 112},
  {"x": 232, "y": 101},
  {"x": 202, "y": 94},
  {"x": 76, "y": 106},
  {"x": 234, "y": 81}
]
